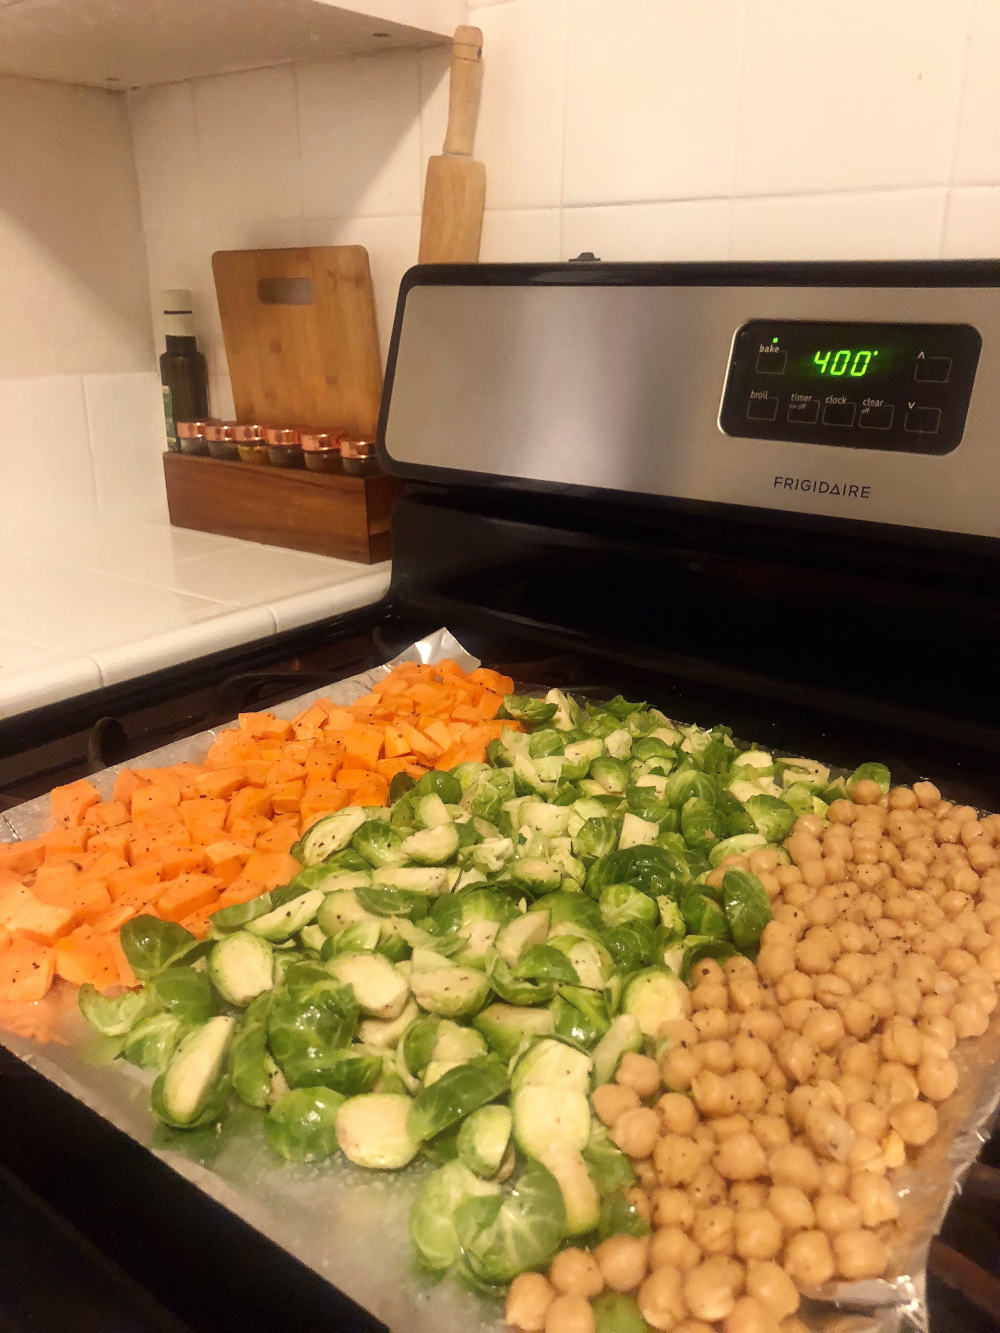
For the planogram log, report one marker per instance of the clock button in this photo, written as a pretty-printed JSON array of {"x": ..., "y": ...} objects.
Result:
[
  {"x": 762, "y": 406},
  {"x": 933, "y": 369},
  {"x": 839, "y": 414},
  {"x": 923, "y": 420}
]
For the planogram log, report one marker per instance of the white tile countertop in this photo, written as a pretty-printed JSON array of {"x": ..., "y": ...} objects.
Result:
[{"x": 97, "y": 600}]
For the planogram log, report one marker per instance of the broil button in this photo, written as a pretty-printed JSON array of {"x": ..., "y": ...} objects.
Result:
[
  {"x": 762, "y": 406},
  {"x": 922, "y": 420}
]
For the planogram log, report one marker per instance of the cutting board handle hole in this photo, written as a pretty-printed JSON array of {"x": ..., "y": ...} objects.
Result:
[{"x": 286, "y": 291}]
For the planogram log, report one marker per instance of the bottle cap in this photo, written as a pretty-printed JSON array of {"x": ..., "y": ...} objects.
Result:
[{"x": 178, "y": 317}]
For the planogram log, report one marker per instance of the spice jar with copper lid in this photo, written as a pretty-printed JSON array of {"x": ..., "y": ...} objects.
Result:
[
  {"x": 284, "y": 446},
  {"x": 192, "y": 436},
  {"x": 250, "y": 444},
  {"x": 222, "y": 440},
  {"x": 360, "y": 459},
  {"x": 321, "y": 450}
]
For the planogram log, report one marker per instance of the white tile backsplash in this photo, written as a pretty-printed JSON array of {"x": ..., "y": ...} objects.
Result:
[
  {"x": 525, "y": 236},
  {"x": 977, "y": 145},
  {"x": 45, "y": 455},
  {"x": 674, "y": 231},
  {"x": 652, "y": 100},
  {"x": 897, "y": 224},
  {"x": 127, "y": 439},
  {"x": 972, "y": 224},
  {"x": 360, "y": 136},
  {"x": 852, "y": 96},
  {"x": 247, "y": 128}
]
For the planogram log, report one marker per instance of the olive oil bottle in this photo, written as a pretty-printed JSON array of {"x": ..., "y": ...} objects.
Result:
[{"x": 183, "y": 372}]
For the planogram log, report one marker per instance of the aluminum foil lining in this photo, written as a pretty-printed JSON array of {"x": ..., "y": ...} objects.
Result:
[{"x": 336, "y": 1218}]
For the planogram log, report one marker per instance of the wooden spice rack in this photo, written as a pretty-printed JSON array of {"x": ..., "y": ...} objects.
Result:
[{"x": 323, "y": 513}]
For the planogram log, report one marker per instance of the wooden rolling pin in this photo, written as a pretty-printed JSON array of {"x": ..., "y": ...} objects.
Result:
[{"x": 455, "y": 191}]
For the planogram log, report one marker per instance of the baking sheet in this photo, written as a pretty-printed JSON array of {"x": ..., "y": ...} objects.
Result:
[{"x": 334, "y": 1217}]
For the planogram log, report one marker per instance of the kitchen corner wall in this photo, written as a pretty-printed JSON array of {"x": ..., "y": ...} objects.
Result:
[
  {"x": 76, "y": 354},
  {"x": 639, "y": 129}
]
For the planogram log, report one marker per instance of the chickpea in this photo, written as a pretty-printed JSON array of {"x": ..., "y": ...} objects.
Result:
[
  {"x": 751, "y": 1053},
  {"x": 980, "y": 993},
  {"x": 777, "y": 1097},
  {"x": 765, "y": 1026},
  {"x": 725, "y": 1126},
  {"x": 758, "y": 1233},
  {"x": 705, "y": 1295},
  {"x": 937, "y": 1078},
  {"x": 672, "y": 1208},
  {"x": 824, "y": 1028},
  {"x": 528, "y": 1302},
  {"x": 898, "y": 1083},
  {"x": 636, "y": 1132},
  {"x": 982, "y": 857},
  {"x": 707, "y": 1189},
  {"x": 874, "y": 1196},
  {"x": 859, "y": 1254},
  {"x": 858, "y": 1016},
  {"x": 750, "y": 1091},
  {"x": 660, "y": 1298},
  {"x": 678, "y": 1159},
  {"x": 776, "y": 932},
  {"x": 834, "y": 1178},
  {"x": 749, "y": 1316},
  {"x": 670, "y": 1247},
  {"x": 711, "y": 1024},
  {"x": 791, "y": 1207},
  {"x": 713, "y": 1229},
  {"x": 610, "y": 1102},
  {"x": 854, "y": 968},
  {"x": 908, "y": 999},
  {"x": 574, "y": 1272},
  {"x": 990, "y": 960},
  {"x": 969, "y": 1019},
  {"x": 857, "y": 1058},
  {"x": 638, "y": 1072},
  {"x": 745, "y": 994},
  {"x": 771, "y": 1131},
  {"x": 740, "y": 1157},
  {"x": 928, "y": 796},
  {"x": 794, "y": 986},
  {"x": 797, "y": 892},
  {"x": 868, "y": 1120},
  {"x": 570, "y": 1314},
  {"x": 716, "y": 1056},
  {"x": 623, "y": 1261},
  {"x": 830, "y": 1134},
  {"x": 709, "y": 995},
  {"x": 693, "y": 1326},
  {"x": 915, "y": 1122},
  {"x": 853, "y": 1089},
  {"x": 901, "y": 1041},
  {"x": 677, "y": 1113},
  {"x": 713, "y": 1095},
  {"x": 770, "y": 1284},
  {"x": 763, "y": 858},
  {"x": 795, "y": 1165},
  {"x": 645, "y": 1174},
  {"x": 679, "y": 1067},
  {"x": 704, "y": 1136},
  {"x": 745, "y": 1194},
  {"x": 707, "y": 969},
  {"x": 796, "y": 1055},
  {"x": 796, "y": 1012},
  {"x": 841, "y": 812},
  {"x": 836, "y": 1212}
]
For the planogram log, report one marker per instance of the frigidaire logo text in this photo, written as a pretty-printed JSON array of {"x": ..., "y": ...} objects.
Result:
[{"x": 848, "y": 488}]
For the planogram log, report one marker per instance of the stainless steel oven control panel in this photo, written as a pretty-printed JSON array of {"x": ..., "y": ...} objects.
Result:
[
  {"x": 848, "y": 398},
  {"x": 904, "y": 387}
]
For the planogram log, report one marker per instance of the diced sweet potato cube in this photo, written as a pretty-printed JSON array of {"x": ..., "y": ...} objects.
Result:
[
  {"x": 27, "y": 917},
  {"x": 187, "y": 893},
  {"x": 26, "y": 970},
  {"x": 70, "y": 802}
]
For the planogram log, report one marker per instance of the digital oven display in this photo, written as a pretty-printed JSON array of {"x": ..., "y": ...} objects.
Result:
[{"x": 901, "y": 387}]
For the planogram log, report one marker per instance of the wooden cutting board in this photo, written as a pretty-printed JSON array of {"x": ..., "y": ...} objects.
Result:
[{"x": 301, "y": 342}]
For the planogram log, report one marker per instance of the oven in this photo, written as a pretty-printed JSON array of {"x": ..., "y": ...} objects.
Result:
[{"x": 761, "y": 494}]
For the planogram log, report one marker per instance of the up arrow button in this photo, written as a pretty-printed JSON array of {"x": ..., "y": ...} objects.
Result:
[{"x": 932, "y": 369}]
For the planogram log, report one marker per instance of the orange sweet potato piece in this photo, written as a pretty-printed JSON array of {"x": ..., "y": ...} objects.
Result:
[
  {"x": 373, "y": 791},
  {"x": 204, "y": 818},
  {"x": 286, "y": 798},
  {"x": 21, "y": 858},
  {"x": 106, "y": 814},
  {"x": 116, "y": 841},
  {"x": 134, "y": 880},
  {"x": 271, "y": 868},
  {"x": 187, "y": 893},
  {"x": 247, "y": 803},
  {"x": 26, "y": 970},
  {"x": 226, "y": 859},
  {"x": 265, "y": 726},
  {"x": 221, "y": 782},
  {"x": 181, "y": 859},
  {"x": 27, "y": 917},
  {"x": 126, "y": 784},
  {"x": 70, "y": 802},
  {"x": 280, "y": 834},
  {"x": 85, "y": 957},
  {"x": 230, "y": 748}
]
